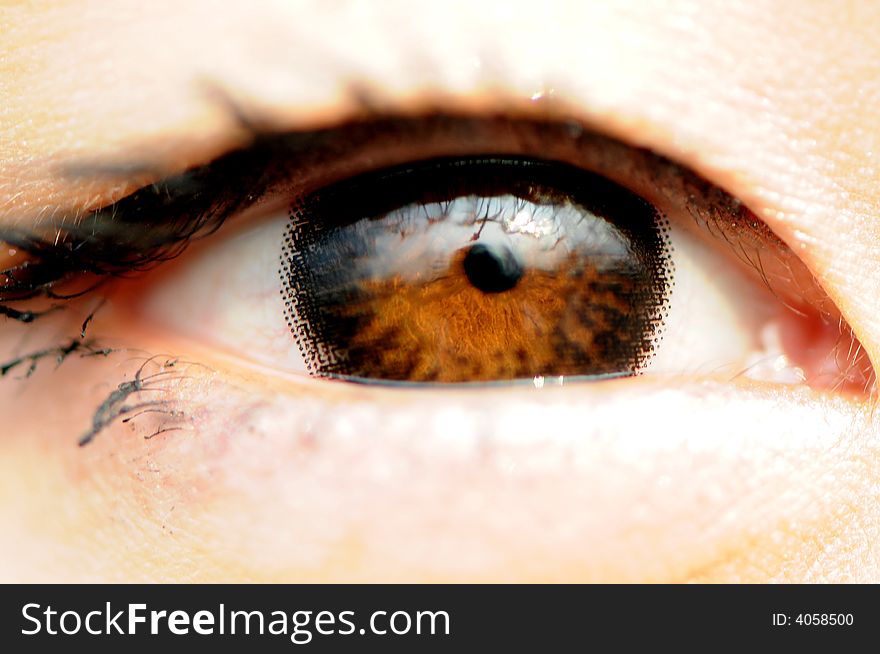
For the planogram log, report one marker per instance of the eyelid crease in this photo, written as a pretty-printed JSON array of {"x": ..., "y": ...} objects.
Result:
[{"x": 156, "y": 222}]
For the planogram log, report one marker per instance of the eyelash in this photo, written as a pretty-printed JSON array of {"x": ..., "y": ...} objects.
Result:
[
  {"x": 157, "y": 222},
  {"x": 120, "y": 239}
]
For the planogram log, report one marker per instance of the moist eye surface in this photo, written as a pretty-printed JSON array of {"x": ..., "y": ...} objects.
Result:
[{"x": 476, "y": 269}]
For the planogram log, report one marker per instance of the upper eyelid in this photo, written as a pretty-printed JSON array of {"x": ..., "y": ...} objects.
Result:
[
  {"x": 263, "y": 139},
  {"x": 157, "y": 220}
]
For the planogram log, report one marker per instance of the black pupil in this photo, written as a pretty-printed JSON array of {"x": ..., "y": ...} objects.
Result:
[{"x": 492, "y": 269}]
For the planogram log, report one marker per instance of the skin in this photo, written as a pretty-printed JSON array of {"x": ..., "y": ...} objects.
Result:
[{"x": 275, "y": 478}]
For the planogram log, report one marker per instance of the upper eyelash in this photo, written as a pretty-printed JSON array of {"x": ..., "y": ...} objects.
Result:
[
  {"x": 157, "y": 222},
  {"x": 152, "y": 225}
]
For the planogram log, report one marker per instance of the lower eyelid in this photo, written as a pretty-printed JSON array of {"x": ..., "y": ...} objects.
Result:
[
  {"x": 681, "y": 464},
  {"x": 609, "y": 464}
]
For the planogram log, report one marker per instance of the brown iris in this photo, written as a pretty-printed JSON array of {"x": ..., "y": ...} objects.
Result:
[{"x": 475, "y": 270}]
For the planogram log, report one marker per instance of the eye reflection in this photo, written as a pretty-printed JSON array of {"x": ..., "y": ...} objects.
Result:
[{"x": 475, "y": 270}]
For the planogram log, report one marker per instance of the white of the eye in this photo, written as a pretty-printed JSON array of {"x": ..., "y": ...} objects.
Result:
[
  {"x": 230, "y": 297},
  {"x": 720, "y": 320}
]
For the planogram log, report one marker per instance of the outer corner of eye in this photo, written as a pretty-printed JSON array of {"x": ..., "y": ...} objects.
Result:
[{"x": 499, "y": 268}]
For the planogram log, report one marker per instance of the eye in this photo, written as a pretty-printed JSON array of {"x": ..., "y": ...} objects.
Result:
[
  {"x": 475, "y": 270},
  {"x": 461, "y": 250}
]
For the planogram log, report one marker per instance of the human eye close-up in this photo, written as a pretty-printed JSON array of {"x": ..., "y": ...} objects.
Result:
[{"x": 311, "y": 293}]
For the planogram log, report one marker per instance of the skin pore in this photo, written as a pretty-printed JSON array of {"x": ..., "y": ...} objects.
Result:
[{"x": 274, "y": 478}]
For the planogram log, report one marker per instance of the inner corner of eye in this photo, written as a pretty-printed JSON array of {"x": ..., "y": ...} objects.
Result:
[{"x": 494, "y": 269}]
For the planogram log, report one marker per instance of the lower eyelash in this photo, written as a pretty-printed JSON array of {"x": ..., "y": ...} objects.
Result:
[
  {"x": 59, "y": 353},
  {"x": 116, "y": 406}
]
